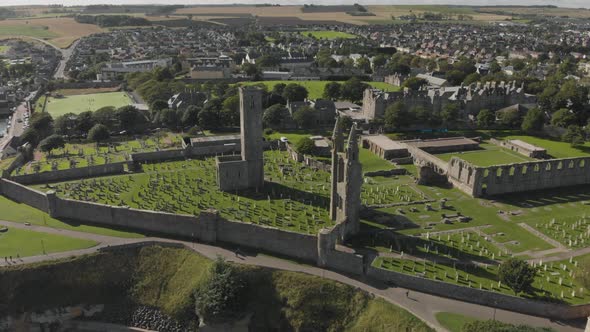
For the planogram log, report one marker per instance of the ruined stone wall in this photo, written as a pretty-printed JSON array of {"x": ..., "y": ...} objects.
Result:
[
  {"x": 71, "y": 174},
  {"x": 232, "y": 173},
  {"x": 473, "y": 295},
  {"x": 519, "y": 177}
]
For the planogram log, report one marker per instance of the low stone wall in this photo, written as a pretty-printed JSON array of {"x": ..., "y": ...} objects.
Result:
[
  {"x": 345, "y": 262},
  {"x": 307, "y": 160},
  {"x": 87, "y": 85},
  {"x": 71, "y": 174},
  {"x": 157, "y": 155},
  {"x": 22, "y": 194},
  {"x": 385, "y": 173},
  {"x": 472, "y": 295}
]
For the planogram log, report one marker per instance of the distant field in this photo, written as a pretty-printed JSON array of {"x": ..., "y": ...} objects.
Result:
[
  {"x": 30, "y": 243},
  {"x": 87, "y": 102},
  {"x": 488, "y": 156},
  {"x": 382, "y": 13},
  {"x": 327, "y": 34},
  {"x": 316, "y": 88},
  {"x": 541, "y": 11},
  {"x": 61, "y": 32}
]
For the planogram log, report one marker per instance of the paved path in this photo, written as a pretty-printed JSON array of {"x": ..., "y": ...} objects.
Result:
[
  {"x": 542, "y": 236},
  {"x": 422, "y": 305}
]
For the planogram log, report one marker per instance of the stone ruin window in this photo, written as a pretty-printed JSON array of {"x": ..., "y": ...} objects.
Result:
[
  {"x": 582, "y": 163},
  {"x": 536, "y": 168},
  {"x": 548, "y": 167},
  {"x": 560, "y": 165},
  {"x": 570, "y": 165},
  {"x": 524, "y": 169}
]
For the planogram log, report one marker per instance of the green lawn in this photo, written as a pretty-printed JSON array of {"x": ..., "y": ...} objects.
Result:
[
  {"x": 453, "y": 322},
  {"x": 488, "y": 156},
  {"x": 316, "y": 88},
  {"x": 26, "y": 30},
  {"x": 556, "y": 149},
  {"x": 327, "y": 34},
  {"x": 17, "y": 212},
  {"x": 372, "y": 162},
  {"x": 4, "y": 49},
  {"x": 29, "y": 243},
  {"x": 90, "y": 102}
]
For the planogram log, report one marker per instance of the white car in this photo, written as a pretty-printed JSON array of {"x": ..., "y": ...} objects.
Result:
[{"x": 284, "y": 139}]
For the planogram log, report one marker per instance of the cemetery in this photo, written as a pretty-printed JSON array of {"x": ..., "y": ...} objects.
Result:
[{"x": 76, "y": 155}]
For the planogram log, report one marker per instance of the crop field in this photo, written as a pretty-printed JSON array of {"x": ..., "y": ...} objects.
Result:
[
  {"x": 540, "y": 11},
  {"x": 86, "y": 102},
  {"x": 29, "y": 243},
  {"x": 489, "y": 155},
  {"x": 327, "y": 34},
  {"x": 316, "y": 88},
  {"x": 382, "y": 13},
  {"x": 61, "y": 32},
  {"x": 87, "y": 154}
]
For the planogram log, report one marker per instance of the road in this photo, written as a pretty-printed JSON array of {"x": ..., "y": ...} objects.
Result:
[
  {"x": 66, "y": 55},
  {"x": 17, "y": 125},
  {"x": 422, "y": 305}
]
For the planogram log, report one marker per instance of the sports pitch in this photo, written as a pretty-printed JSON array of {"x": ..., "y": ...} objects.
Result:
[{"x": 90, "y": 102}]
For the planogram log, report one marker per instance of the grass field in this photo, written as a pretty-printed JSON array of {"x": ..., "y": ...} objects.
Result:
[
  {"x": 86, "y": 102},
  {"x": 327, "y": 34},
  {"x": 61, "y": 32},
  {"x": 453, "y": 322},
  {"x": 556, "y": 149},
  {"x": 316, "y": 88},
  {"x": 29, "y": 243},
  {"x": 490, "y": 155},
  {"x": 18, "y": 212}
]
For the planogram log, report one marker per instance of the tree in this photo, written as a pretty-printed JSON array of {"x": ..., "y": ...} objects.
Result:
[
  {"x": 353, "y": 89},
  {"x": 273, "y": 116},
  {"x": 158, "y": 105},
  {"x": 574, "y": 135},
  {"x": 305, "y": 146},
  {"x": 131, "y": 119},
  {"x": 208, "y": 119},
  {"x": 563, "y": 118},
  {"x": 379, "y": 60},
  {"x": 250, "y": 69},
  {"x": 450, "y": 114},
  {"x": 396, "y": 116},
  {"x": 42, "y": 123},
  {"x": 517, "y": 274},
  {"x": 471, "y": 78},
  {"x": 486, "y": 118},
  {"x": 332, "y": 90},
  {"x": 305, "y": 117},
  {"x": 278, "y": 89},
  {"x": 51, "y": 143},
  {"x": 510, "y": 118},
  {"x": 169, "y": 118},
  {"x": 364, "y": 64},
  {"x": 31, "y": 136},
  {"x": 98, "y": 133},
  {"x": 85, "y": 121},
  {"x": 455, "y": 77},
  {"x": 533, "y": 120},
  {"x": 222, "y": 298},
  {"x": 107, "y": 116},
  {"x": 295, "y": 92},
  {"x": 268, "y": 61},
  {"x": 65, "y": 124},
  {"x": 414, "y": 83},
  {"x": 190, "y": 117}
]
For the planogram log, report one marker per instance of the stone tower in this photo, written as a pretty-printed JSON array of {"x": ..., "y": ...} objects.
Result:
[
  {"x": 247, "y": 170},
  {"x": 347, "y": 179}
]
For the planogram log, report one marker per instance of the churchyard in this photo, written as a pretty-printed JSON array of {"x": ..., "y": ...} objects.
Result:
[{"x": 75, "y": 155}]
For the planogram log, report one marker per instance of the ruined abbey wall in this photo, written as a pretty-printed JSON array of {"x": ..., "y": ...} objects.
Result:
[{"x": 518, "y": 177}]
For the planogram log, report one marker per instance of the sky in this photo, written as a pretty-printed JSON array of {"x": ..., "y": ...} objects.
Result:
[{"x": 559, "y": 3}]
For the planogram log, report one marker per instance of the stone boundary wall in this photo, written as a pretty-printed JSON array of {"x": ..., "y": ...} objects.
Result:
[
  {"x": 161, "y": 155},
  {"x": 71, "y": 174},
  {"x": 22, "y": 194},
  {"x": 477, "y": 296},
  {"x": 519, "y": 177},
  {"x": 17, "y": 162},
  {"x": 86, "y": 85},
  {"x": 423, "y": 156},
  {"x": 386, "y": 173}
]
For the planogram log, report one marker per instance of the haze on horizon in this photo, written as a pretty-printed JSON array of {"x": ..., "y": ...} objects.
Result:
[{"x": 559, "y": 3}]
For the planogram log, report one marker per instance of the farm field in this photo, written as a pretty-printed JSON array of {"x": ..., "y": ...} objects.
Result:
[
  {"x": 488, "y": 156},
  {"x": 61, "y": 32},
  {"x": 316, "y": 88},
  {"x": 382, "y": 13},
  {"x": 29, "y": 243},
  {"x": 86, "y": 102},
  {"x": 327, "y": 34},
  {"x": 540, "y": 11}
]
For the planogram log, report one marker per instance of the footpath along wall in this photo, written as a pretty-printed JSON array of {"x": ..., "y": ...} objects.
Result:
[{"x": 322, "y": 249}]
